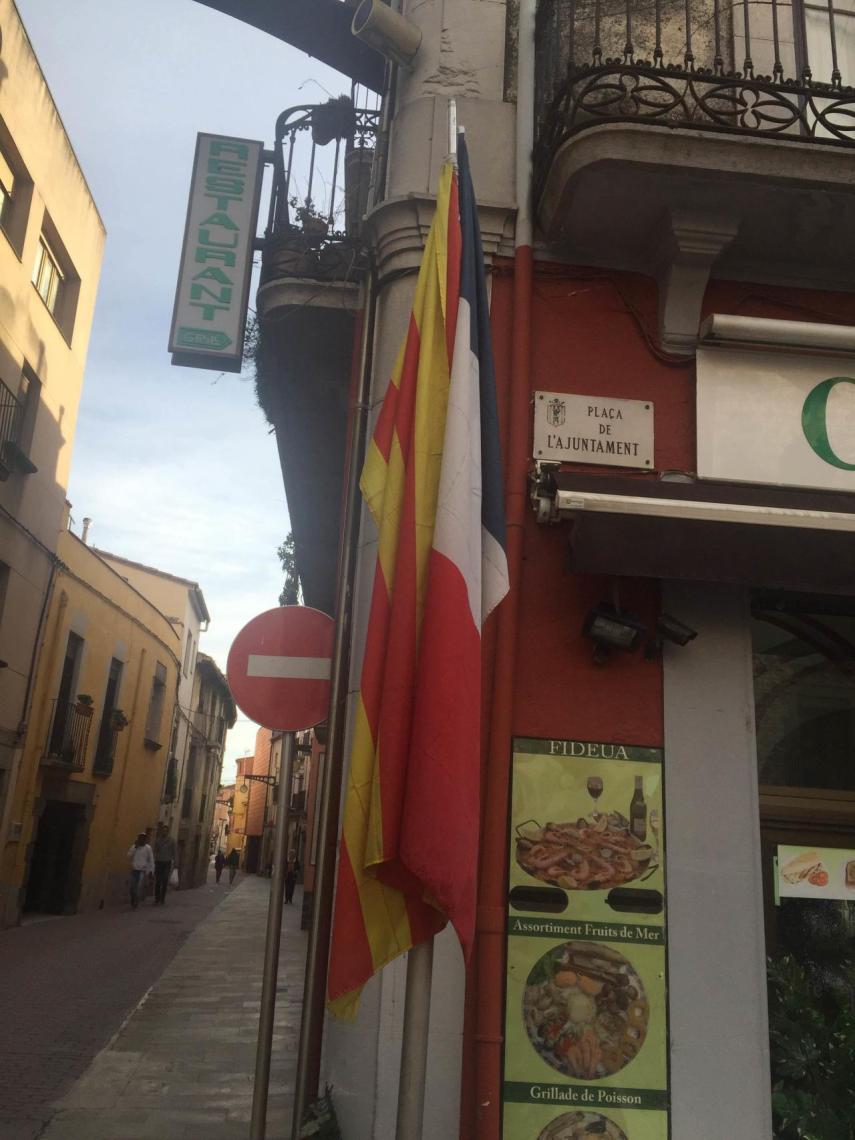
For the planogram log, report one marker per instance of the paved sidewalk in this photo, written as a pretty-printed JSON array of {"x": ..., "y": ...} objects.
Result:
[
  {"x": 182, "y": 1066},
  {"x": 66, "y": 986}
]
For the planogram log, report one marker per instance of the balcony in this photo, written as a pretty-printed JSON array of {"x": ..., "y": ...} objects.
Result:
[
  {"x": 12, "y": 458},
  {"x": 720, "y": 132},
  {"x": 67, "y": 736},
  {"x": 323, "y": 157},
  {"x": 313, "y": 263}
]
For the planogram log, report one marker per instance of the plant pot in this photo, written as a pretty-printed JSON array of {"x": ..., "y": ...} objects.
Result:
[{"x": 333, "y": 120}]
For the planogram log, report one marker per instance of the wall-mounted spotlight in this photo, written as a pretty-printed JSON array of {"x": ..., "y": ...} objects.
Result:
[
  {"x": 610, "y": 628},
  {"x": 387, "y": 31},
  {"x": 669, "y": 629}
]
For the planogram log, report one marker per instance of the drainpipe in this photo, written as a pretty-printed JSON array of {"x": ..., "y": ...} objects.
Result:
[
  {"x": 492, "y": 907},
  {"x": 38, "y": 647}
]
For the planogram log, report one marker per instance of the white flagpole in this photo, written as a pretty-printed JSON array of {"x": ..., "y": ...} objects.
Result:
[{"x": 414, "y": 1042}]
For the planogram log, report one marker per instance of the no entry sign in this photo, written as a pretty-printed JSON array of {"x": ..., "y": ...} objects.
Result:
[{"x": 279, "y": 667}]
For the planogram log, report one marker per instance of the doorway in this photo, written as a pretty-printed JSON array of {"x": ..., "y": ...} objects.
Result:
[{"x": 53, "y": 884}]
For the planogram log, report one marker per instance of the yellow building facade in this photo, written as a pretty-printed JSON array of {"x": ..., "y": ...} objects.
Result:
[
  {"x": 51, "y": 244},
  {"x": 96, "y": 748},
  {"x": 239, "y": 808}
]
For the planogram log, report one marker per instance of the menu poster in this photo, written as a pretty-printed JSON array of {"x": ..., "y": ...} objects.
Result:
[
  {"x": 816, "y": 873},
  {"x": 586, "y": 1041}
]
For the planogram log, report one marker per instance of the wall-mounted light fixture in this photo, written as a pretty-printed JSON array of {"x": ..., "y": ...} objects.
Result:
[{"x": 611, "y": 628}]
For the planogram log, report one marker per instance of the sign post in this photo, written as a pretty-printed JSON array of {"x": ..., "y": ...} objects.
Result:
[{"x": 278, "y": 670}]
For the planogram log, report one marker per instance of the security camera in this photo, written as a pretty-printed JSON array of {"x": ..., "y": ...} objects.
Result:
[{"x": 387, "y": 31}]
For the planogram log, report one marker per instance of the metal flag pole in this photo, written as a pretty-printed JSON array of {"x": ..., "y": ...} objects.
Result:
[
  {"x": 414, "y": 1043},
  {"x": 261, "y": 1085}
]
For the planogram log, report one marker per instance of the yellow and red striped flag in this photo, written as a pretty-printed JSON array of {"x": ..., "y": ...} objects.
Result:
[{"x": 409, "y": 846}]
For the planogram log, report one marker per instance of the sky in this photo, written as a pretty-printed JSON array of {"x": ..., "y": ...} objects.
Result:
[{"x": 175, "y": 466}]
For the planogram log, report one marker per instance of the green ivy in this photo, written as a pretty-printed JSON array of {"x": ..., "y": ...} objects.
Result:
[{"x": 812, "y": 1042}]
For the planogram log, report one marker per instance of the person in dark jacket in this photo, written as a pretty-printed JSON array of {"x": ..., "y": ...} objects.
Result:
[
  {"x": 219, "y": 863},
  {"x": 232, "y": 863},
  {"x": 290, "y": 882}
]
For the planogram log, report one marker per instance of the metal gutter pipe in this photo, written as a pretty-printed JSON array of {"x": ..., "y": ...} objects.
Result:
[{"x": 492, "y": 907}]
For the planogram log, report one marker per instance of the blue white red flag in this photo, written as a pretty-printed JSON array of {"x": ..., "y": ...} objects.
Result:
[{"x": 467, "y": 578}]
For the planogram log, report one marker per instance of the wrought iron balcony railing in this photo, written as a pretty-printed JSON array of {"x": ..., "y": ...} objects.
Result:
[
  {"x": 323, "y": 158},
  {"x": 10, "y": 429},
  {"x": 780, "y": 68},
  {"x": 68, "y": 735}
]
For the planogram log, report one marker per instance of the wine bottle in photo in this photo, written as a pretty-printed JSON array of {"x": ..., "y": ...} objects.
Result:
[{"x": 638, "y": 812}]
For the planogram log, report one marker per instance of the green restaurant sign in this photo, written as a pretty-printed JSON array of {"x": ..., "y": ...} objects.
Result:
[{"x": 209, "y": 317}]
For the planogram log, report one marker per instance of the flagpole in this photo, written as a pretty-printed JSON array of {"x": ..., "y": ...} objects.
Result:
[
  {"x": 258, "y": 1124},
  {"x": 414, "y": 1043},
  {"x": 414, "y": 1047}
]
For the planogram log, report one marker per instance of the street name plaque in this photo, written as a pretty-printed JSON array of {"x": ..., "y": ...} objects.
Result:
[{"x": 593, "y": 429}]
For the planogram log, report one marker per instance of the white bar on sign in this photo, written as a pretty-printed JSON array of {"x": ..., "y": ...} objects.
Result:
[{"x": 289, "y": 668}]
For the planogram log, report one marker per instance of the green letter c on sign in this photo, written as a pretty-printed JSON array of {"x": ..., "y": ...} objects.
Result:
[{"x": 815, "y": 421}]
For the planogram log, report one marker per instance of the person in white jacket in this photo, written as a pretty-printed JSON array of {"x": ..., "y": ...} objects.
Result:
[{"x": 142, "y": 863}]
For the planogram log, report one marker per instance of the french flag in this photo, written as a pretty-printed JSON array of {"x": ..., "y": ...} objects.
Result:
[{"x": 467, "y": 578}]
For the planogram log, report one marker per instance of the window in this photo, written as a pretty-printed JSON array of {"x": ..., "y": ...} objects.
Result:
[
  {"x": 65, "y": 697},
  {"x": 17, "y": 424},
  {"x": 189, "y": 781},
  {"x": 804, "y": 699},
  {"x": 16, "y": 192},
  {"x": 7, "y": 188},
  {"x": 4, "y": 586},
  {"x": 105, "y": 751},
  {"x": 155, "y": 706},
  {"x": 188, "y": 655},
  {"x": 48, "y": 278}
]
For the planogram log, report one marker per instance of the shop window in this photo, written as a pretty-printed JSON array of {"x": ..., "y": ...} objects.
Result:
[{"x": 804, "y": 694}]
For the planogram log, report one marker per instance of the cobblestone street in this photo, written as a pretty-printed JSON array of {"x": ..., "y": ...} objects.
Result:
[{"x": 181, "y": 1065}]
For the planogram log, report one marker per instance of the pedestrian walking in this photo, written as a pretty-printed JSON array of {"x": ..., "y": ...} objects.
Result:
[
  {"x": 290, "y": 882},
  {"x": 232, "y": 864},
  {"x": 142, "y": 864},
  {"x": 164, "y": 857},
  {"x": 219, "y": 863}
]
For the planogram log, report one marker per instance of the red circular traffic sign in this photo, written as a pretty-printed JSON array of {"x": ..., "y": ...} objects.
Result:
[{"x": 279, "y": 667}]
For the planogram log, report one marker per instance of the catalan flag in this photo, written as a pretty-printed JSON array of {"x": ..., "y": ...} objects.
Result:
[{"x": 432, "y": 481}]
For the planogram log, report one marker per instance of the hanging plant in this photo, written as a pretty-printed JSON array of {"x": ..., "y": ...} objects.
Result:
[
  {"x": 84, "y": 704},
  {"x": 118, "y": 720}
]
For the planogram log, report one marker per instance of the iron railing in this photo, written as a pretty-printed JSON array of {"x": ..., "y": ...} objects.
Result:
[
  {"x": 761, "y": 67},
  {"x": 323, "y": 157},
  {"x": 67, "y": 735},
  {"x": 10, "y": 426}
]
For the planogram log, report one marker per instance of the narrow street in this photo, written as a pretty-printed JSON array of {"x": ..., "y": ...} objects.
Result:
[{"x": 136, "y": 1026}]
